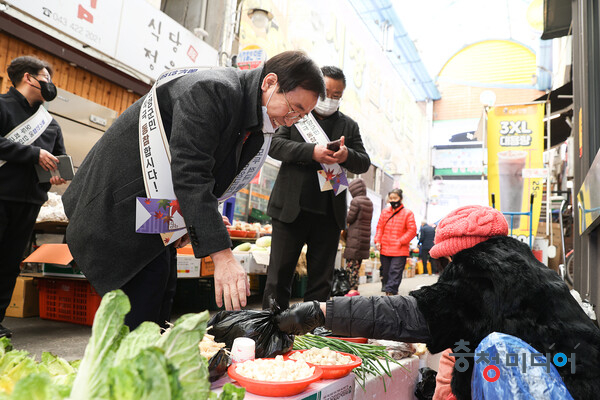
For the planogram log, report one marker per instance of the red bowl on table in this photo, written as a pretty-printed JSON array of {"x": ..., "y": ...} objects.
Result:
[
  {"x": 274, "y": 389},
  {"x": 351, "y": 339},
  {"x": 250, "y": 234},
  {"x": 236, "y": 233},
  {"x": 333, "y": 371}
]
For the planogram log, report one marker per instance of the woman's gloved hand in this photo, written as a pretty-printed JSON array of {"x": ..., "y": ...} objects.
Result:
[{"x": 301, "y": 318}]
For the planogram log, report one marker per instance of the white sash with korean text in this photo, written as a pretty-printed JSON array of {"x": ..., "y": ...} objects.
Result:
[
  {"x": 31, "y": 129},
  {"x": 332, "y": 176},
  {"x": 160, "y": 212}
]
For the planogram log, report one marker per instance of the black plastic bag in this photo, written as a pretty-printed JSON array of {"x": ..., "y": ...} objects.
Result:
[
  {"x": 257, "y": 325},
  {"x": 426, "y": 387},
  {"x": 218, "y": 364},
  {"x": 341, "y": 282}
]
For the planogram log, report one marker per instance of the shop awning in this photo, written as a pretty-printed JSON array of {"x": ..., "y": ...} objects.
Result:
[
  {"x": 557, "y": 18},
  {"x": 561, "y": 113}
]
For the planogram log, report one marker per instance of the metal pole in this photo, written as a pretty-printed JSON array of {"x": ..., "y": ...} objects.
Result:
[{"x": 549, "y": 177}]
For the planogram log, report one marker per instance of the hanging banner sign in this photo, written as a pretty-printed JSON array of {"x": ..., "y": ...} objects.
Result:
[{"x": 515, "y": 140}]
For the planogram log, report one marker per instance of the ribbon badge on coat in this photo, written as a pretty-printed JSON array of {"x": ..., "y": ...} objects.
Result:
[{"x": 332, "y": 176}]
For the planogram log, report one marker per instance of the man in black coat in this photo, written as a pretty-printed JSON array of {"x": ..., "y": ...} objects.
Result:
[
  {"x": 301, "y": 212},
  {"x": 215, "y": 124},
  {"x": 493, "y": 283},
  {"x": 21, "y": 193},
  {"x": 426, "y": 236}
]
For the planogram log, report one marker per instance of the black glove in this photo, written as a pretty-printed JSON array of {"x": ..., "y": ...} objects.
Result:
[{"x": 301, "y": 318}]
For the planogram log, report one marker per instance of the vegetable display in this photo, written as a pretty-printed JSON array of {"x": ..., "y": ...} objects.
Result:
[
  {"x": 118, "y": 364},
  {"x": 375, "y": 359}
]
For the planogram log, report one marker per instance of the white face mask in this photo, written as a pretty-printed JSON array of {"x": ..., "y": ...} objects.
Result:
[
  {"x": 327, "y": 107},
  {"x": 267, "y": 125}
]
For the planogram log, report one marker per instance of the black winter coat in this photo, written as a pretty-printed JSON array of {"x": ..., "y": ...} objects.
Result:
[
  {"x": 19, "y": 181},
  {"x": 499, "y": 286},
  {"x": 206, "y": 116},
  {"x": 494, "y": 286}
]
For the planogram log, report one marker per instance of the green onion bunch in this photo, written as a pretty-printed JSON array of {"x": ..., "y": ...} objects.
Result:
[{"x": 375, "y": 359}]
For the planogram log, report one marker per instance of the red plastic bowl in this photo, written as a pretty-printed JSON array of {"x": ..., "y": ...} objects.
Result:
[
  {"x": 274, "y": 389},
  {"x": 236, "y": 233},
  {"x": 250, "y": 234},
  {"x": 333, "y": 371},
  {"x": 351, "y": 339}
]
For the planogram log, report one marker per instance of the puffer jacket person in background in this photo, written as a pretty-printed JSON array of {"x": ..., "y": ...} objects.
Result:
[
  {"x": 358, "y": 237},
  {"x": 395, "y": 229}
]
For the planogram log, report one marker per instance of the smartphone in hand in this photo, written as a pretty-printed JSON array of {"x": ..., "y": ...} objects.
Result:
[{"x": 335, "y": 145}]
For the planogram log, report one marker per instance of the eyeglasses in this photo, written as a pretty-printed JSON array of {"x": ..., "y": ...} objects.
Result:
[
  {"x": 291, "y": 116},
  {"x": 48, "y": 78}
]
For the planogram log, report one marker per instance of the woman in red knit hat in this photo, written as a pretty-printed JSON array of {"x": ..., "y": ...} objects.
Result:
[{"x": 493, "y": 283}]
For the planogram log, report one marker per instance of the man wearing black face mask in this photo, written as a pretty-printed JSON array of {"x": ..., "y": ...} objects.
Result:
[
  {"x": 28, "y": 136},
  {"x": 301, "y": 212}
]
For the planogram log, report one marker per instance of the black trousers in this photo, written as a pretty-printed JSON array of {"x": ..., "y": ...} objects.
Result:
[
  {"x": 424, "y": 256},
  {"x": 152, "y": 290},
  {"x": 16, "y": 225},
  {"x": 321, "y": 235},
  {"x": 391, "y": 273}
]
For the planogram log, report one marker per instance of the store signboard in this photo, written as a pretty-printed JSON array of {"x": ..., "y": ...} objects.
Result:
[
  {"x": 152, "y": 42},
  {"x": 515, "y": 139},
  {"x": 458, "y": 161},
  {"x": 93, "y": 22},
  {"x": 251, "y": 57},
  {"x": 132, "y": 32}
]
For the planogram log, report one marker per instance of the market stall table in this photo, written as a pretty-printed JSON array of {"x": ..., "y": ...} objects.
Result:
[{"x": 401, "y": 386}]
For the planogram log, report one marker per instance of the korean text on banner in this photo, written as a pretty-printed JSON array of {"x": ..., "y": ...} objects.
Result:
[{"x": 515, "y": 140}]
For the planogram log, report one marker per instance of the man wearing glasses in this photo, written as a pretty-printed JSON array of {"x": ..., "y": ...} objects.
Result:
[
  {"x": 301, "y": 212},
  {"x": 21, "y": 193},
  {"x": 217, "y": 124}
]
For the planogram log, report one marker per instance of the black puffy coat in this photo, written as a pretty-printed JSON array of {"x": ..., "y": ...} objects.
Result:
[
  {"x": 358, "y": 238},
  {"x": 494, "y": 286},
  {"x": 499, "y": 286}
]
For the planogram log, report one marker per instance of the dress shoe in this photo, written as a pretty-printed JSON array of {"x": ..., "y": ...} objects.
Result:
[{"x": 5, "y": 332}]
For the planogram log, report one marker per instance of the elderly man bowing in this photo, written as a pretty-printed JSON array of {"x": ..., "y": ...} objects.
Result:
[{"x": 212, "y": 129}]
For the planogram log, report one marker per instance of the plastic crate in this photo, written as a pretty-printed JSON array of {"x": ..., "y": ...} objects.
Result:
[
  {"x": 68, "y": 300},
  {"x": 195, "y": 295}
]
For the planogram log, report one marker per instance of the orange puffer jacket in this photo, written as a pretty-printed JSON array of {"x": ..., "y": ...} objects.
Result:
[{"x": 395, "y": 235}]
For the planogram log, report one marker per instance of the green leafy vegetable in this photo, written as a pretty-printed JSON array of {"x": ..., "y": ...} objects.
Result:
[
  {"x": 108, "y": 330},
  {"x": 180, "y": 344},
  {"x": 144, "y": 336}
]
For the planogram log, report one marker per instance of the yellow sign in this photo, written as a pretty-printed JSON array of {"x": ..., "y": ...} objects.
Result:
[{"x": 515, "y": 139}]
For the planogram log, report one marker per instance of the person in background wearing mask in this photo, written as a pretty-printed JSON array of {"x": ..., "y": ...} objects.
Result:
[
  {"x": 22, "y": 147},
  {"x": 301, "y": 212},
  {"x": 395, "y": 229},
  {"x": 217, "y": 125}
]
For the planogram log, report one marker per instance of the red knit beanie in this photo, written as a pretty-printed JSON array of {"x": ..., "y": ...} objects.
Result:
[{"x": 465, "y": 227}]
